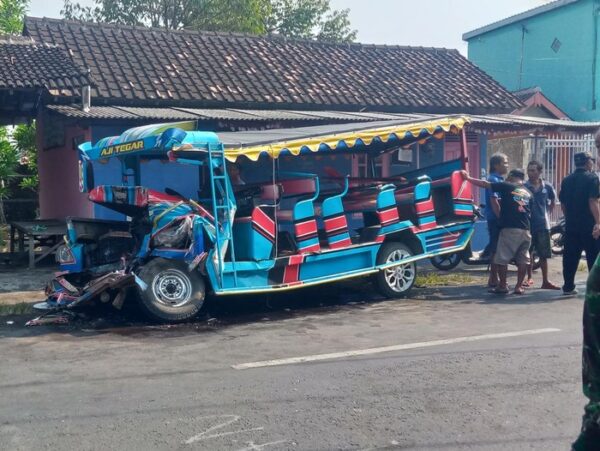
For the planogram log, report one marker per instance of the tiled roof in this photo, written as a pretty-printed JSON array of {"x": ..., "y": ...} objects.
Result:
[
  {"x": 524, "y": 94},
  {"x": 25, "y": 64},
  {"x": 153, "y": 67}
]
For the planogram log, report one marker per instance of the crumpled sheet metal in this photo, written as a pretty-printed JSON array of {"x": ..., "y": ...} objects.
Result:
[{"x": 65, "y": 294}]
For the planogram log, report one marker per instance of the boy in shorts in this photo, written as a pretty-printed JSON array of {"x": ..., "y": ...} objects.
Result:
[
  {"x": 542, "y": 203},
  {"x": 515, "y": 237}
]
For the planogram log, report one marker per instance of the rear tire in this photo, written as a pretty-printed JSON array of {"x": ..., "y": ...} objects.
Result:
[
  {"x": 399, "y": 280},
  {"x": 173, "y": 293},
  {"x": 446, "y": 262}
]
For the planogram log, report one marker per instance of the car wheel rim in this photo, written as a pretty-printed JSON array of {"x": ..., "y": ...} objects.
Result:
[
  {"x": 172, "y": 288},
  {"x": 399, "y": 278}
]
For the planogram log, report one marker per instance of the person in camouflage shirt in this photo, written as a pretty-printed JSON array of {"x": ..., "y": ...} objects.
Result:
[{"x": 589, "y": 439}]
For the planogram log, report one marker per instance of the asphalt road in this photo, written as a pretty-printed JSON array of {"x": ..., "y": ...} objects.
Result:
[{"x": 103, "y": 386}]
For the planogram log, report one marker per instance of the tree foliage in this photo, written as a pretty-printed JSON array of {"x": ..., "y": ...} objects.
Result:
[
  {"x": 23, "y": 138},
  {"x": 8, "y": 164},
  {"x": 11, "y": 15},
  {"x": 20, "y": 141},
  {"x": 311, "y": 19}
]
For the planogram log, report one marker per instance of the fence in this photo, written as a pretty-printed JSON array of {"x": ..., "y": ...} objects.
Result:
[{"x": 557, "y": 158}]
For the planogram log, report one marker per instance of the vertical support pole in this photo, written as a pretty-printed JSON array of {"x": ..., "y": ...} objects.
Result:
[
  {"x": 12, "y": 238},
  {"x": 463, "y": 150},
  {"x": 483, "y": 159},
  {"x": 31, "y": 250}
]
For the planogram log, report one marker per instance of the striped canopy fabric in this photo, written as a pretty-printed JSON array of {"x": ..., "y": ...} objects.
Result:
[{"x": 332, "y": 138}]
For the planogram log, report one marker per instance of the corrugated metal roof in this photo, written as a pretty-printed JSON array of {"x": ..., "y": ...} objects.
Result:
[
  {"x": 221, "y": 114},
  {"x": 96, "y": 112},
  {"x": 510, "y": 120},
  {"x": 159, "y": 113},
  {"x": 517, "y": 18},
  {"x": 279, "y": 115},
  {"x": 148, "y": 114}
]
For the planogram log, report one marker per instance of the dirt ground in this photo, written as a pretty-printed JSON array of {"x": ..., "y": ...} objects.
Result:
[{"x": 18, "y": 284}]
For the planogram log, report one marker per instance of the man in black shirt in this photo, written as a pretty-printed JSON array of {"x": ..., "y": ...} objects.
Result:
[
  {"x": 514, "y": 222},
  {"x": 579, "y": 193}
]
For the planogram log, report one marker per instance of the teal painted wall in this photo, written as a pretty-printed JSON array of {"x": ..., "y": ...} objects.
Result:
[{"x": 566, "y": 76}]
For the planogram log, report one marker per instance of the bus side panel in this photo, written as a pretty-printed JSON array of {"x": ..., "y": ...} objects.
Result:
[{"x": 336, "y": 264}]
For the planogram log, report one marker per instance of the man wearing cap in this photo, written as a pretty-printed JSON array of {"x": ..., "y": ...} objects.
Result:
[
  {"x": 579, "y": 193},
  {"x": 589, "y": 438}
]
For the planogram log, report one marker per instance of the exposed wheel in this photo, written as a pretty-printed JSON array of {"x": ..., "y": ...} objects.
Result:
[
  {"x": 535, "y": 260},
  {"x": 556, "y": 241},
  {"x": 446, "y": 262},
  {"x": 398, "y": 280},
  {"x": 173, "y": 294}
]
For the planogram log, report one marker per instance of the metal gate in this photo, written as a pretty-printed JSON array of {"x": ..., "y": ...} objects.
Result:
[{"x": 557, "y": 158}]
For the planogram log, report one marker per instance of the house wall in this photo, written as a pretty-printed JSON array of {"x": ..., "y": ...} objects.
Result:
[
  {"x": 58, "y": 168},
  {"x": 519, "y": 60},
  {"x": 512, "y": 147}
]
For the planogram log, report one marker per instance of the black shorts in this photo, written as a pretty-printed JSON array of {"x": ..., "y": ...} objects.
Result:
[
  {"x": 494, "y": 232},
  {"x": 540, "y": 241}
]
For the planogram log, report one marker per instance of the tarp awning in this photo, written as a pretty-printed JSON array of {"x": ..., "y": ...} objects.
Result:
[{"x": 382, "y": 134}]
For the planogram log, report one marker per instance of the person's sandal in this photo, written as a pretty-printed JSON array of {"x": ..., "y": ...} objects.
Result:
[
  {"x": 549, "y": 286},
  {"x": 498, "y": 290},
  {"x": 519, "y": 290}
]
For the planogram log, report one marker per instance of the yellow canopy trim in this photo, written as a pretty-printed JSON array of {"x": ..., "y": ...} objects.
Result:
[{"x": 447, "y": 124}]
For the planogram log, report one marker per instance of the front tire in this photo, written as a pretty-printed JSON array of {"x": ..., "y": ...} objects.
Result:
[
  {"x": 398, "y": 280},
  {"x": 173, "y": 294}
]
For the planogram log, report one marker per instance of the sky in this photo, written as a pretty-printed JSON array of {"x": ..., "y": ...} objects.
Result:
[{"x": 427, "y": 23}]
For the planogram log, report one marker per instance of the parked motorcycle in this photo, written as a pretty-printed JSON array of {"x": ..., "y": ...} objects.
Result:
[
  {"x": 557, "y": 233},
  {"x": 448, "y": 262}
]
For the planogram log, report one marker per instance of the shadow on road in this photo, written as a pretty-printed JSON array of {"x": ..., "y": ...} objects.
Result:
[{"x": 220, "y": 313}]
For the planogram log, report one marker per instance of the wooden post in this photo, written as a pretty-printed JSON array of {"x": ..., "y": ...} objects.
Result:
[{"x": 31, "y": 251}]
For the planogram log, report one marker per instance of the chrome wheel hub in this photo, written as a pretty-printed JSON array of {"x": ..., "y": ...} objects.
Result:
[
  {"x": 172, "y": 288},
  {"x": 399, "y": 278}
]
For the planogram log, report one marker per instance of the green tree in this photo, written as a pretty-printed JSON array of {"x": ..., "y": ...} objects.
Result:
[
  {"x": 11, "y": 15},
  {"x": 311, "y": 19},
  {"x": 23, "y": 138},
  {"x": 8, "y": 165}
]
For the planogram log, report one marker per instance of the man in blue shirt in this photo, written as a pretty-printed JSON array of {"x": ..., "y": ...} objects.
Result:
[
  {"x": 498, "y": 168},
  {"x": 542, "y": 203}
]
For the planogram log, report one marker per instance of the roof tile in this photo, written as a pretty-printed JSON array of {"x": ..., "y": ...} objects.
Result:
[
  {"x": 202, "y": 69},
  {"x": 25, "y": 64}
]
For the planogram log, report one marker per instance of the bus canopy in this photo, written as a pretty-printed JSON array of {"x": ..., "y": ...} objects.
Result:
[{"x": 182, "y": 139}]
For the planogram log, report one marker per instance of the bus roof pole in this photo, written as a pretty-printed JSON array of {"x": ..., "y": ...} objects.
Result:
[{"x": 464, "y": 157}]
